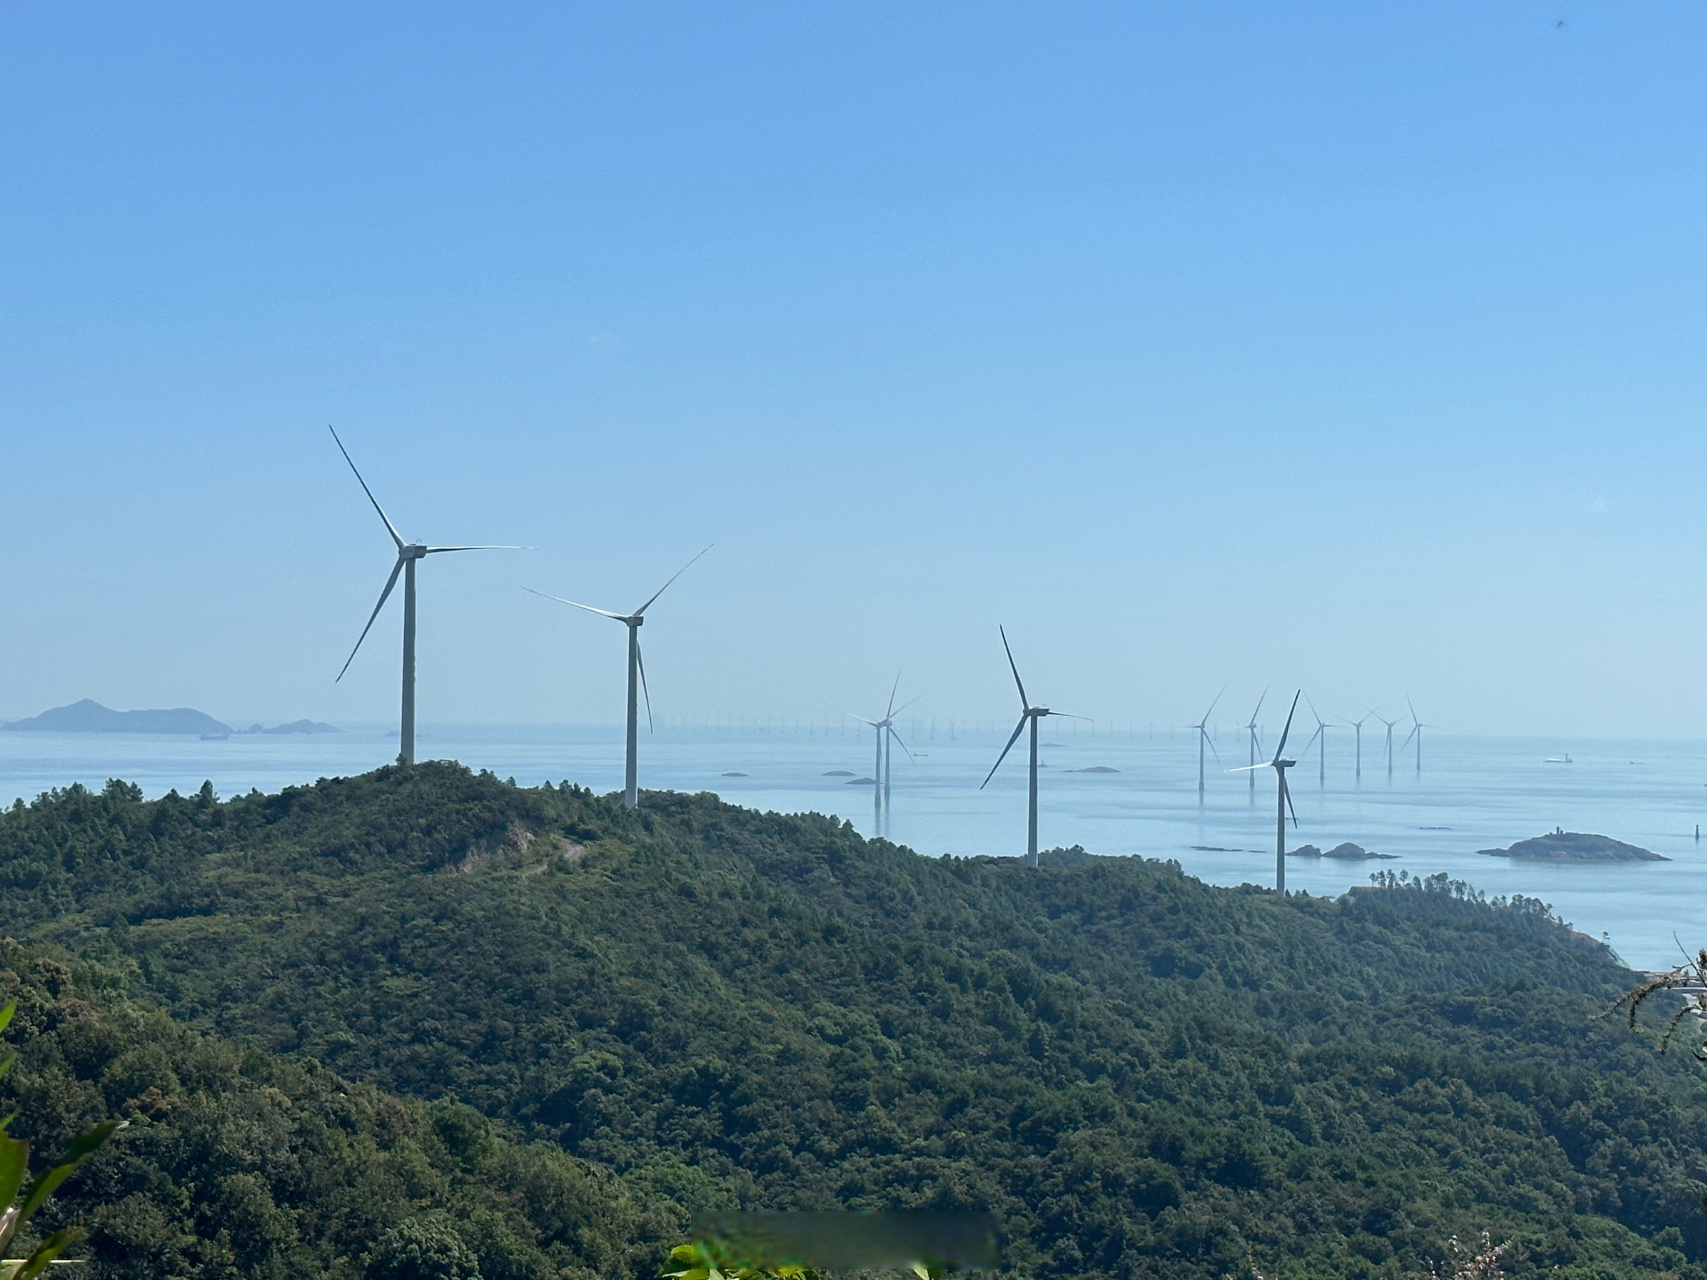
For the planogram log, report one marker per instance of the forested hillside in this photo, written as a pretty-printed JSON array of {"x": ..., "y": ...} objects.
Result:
[
  {"x": 1141, "y": 1075},
  {"x": 238, "y": 1163}
]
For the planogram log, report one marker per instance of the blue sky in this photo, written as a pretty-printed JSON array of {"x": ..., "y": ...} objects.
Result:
[{"x": 1357, "y": 347}]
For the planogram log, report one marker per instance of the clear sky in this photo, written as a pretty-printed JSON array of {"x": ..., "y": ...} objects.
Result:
[{"x": 1345, "y": 345}]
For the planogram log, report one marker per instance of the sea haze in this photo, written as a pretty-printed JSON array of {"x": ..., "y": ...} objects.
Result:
[{"x": 1474, "y": 793}]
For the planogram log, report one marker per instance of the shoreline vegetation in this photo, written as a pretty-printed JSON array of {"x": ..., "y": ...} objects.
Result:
[
  {"x": 424, "y": 1011},
  {"x": 1564, "y": 846}
]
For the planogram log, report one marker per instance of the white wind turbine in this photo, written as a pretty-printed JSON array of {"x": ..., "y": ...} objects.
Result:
[
  {"x": 1321, "y": 751},
  {"x": 1389, "y": 723},
  {"x": 636, "y": 678},
  {"x": 885, "y": 736},
  {"x": 1358, "y": 726},
  {"x": 1202, "y": 727},
  {"x": 407, "y": 555},
  {"x": 1283, "y": 802},
  {"x": 1029, "y": 715},
  {"x": 1417, "y": 727},
  {"x": 1256, "y": 743}
]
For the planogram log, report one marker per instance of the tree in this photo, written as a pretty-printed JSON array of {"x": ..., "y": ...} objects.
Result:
[{"x": 424, "y": 1248}]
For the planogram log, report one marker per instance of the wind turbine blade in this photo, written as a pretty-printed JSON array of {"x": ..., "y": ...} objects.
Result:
[
  {"x": 1212, "y": 751},
  {"x": 640, "y": 659},
  {"x": 1312, "y": 741},
  {"x": 1211, "y": 710},
  {"x": 1246, "y": 768},
  {"x": 1319, "y": 721},
  {"x": 433, "y": 551},
  {"x": 909, "y": 702},
  {"x": 1070, "y": 716},
  {"x": 383, "y": 597},
  {"x": 1024, "y": 701},
  {"x": 870, "y": 724},
  {"x": 1279, "y": 750},
  {"x": 1287, "y": 792},
  {"x": 389, "y": 527},
  {"x": 603, "y": 613},
  {"x": 897, "y": 738},
  {"x": 1017, "y": 731},
  {"x": 1413, "y": 708},
  {"x": 890, "y": 710},
  {"x": 660, "y": 591},
  {"x": 1408, "y": 737},
  {"x": 1258, "y": 711}
]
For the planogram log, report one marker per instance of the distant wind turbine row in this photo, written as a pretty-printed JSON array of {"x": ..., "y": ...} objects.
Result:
[{"x": 410, "y": 553}]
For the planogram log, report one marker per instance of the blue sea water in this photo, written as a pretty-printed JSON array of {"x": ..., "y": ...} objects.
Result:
[{"x": 1472, "y": 794}]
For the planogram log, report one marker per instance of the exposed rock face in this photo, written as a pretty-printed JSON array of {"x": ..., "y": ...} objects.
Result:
[
  {"x": 1575, "y": 846},
  {"x": 1347, "y": 852}
]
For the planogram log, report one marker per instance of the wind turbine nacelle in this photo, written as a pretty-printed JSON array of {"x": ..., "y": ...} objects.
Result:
[
  {"x": 414, "y": 551},
  {"x": 1285, "y": 764}
]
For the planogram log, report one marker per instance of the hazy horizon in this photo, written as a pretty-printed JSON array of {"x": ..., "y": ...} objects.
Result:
[{"x": 1350, "y": 349}]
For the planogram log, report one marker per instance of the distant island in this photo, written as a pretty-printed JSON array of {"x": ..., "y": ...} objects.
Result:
[
  {"x": 1096, "y": 768},
  {"x": 1346, "y": 852},
  {"x": 1574, "y": 846},
  {"x": 295, "y": 726},
  {"x": 89, "y": 716}
]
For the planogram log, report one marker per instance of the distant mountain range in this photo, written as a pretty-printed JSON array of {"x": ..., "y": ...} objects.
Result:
[{"x": 89, "y": 716}]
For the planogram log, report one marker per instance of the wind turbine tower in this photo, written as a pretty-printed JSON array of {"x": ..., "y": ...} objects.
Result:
[
  {"x": 1028, "y": 716},
  {"x": 1203, "y": 739},
  {"x": 1321, "y": 751},
  {"x": 1358, "y": 726},
  {"x": 1283, "y": 801},
  {"x": 1256, "y": 744},
  {"x": 408, "y": 553},
  {"x": 636, "y": 678},
  {"x": 1417, "y": 727},
  {"x": 1389, "y": 723}
]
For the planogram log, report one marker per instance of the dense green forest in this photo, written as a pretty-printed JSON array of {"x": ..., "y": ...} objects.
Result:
[
  {"x": 236, "y": 1162},
  {"x": 698, "y": 1006}
]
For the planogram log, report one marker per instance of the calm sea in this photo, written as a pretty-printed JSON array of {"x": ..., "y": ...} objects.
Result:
[{"x": 1473, "y": 793}]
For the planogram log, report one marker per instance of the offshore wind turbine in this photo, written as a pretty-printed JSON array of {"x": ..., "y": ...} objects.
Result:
[
  {"x": 408, "y": 553},
  {"x": 1358, "y": 725},
  {"x": 1417, "y": 727},
  {"x": 636, "y": 678},
  {"x": 1202, "y": 727},
  {"x": 1029, "y": 715},
  {"x": 1322, "y": 751},
  {"x": 1256, "y": 744},
  {"x": 1389, "y": 723},
  {"x": 886, "y": 736},
  {"x": 1283, "y": 802}
]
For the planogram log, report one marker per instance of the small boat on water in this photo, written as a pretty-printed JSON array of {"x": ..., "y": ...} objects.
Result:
[{"x": 1564, "y": 759}]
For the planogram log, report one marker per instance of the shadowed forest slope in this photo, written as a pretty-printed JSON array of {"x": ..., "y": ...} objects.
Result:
[
  {"x": 1143, "y": 1075},
  {"x": 236, "y": 1162}
]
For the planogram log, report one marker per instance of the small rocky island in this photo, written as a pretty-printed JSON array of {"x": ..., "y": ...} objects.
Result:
[
  {"x": 1574, "y": 846},
  {"x": 1348, "y": 851}
]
